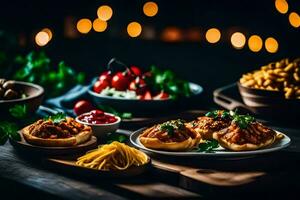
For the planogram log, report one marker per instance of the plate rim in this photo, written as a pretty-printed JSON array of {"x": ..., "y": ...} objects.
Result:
[{"x": 134, "y": 135}]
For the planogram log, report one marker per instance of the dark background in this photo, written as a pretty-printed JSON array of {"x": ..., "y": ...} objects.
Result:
[{"x": 211, "y": 65}]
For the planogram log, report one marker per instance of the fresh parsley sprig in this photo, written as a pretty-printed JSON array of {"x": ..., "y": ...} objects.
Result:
[
  {"x": 57, "y": 118},
  {"x": 208, "y": 146},
  {"x": 8, "y": 130}
]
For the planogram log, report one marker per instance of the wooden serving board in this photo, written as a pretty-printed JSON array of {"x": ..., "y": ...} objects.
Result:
[
  {"x": 68, "y": 165},
  {"x": 24, "y": 146}
]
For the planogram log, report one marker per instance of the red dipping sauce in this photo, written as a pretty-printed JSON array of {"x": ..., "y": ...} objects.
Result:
[{"x": 97, "y": 117}]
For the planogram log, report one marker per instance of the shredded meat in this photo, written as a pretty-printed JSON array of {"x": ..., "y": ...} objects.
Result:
[
  {"x": 178, "y": 135},
  {"x": 48, "y": 129},
  {"x": 255, "y": 133}
]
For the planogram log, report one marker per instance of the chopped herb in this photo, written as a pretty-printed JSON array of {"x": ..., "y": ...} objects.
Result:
[
  {"x": 171, "y": 126},
  {"x": 243, "y": 120},
  {"x": 19, "y": 111},
  {"x": 208, "y": 146},
  {"x": 57, "y": 118},
  {"x": 218, "y": 113}
]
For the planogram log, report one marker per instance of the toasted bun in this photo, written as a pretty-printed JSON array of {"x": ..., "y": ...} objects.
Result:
[
  {"x": 244, "y": 147},
  {"x": 61, "y": 142},
  {"x": 154, "y": 143}
]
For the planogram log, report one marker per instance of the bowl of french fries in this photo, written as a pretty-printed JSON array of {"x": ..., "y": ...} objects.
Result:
[{"x": 275, "y": 85}]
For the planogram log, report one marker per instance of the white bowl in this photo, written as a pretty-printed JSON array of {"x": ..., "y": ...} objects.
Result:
[{"x": 101, "y": 131}]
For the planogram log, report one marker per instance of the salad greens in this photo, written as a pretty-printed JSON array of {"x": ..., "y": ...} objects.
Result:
[
  {"x": 36, "y": 67},
  {"x": 167, "y": 81}
]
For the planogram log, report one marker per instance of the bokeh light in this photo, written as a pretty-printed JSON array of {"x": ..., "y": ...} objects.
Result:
[
  {"x": 213, "y": 35},
  {"x": 271, "y": 45},
  {"x": 42, "y": 38},
  {"x": 134, "y": 29},
  {"x": 150, "y": 9},
  {"x": 99, "y": 25},
  {"x": 255, "y": 43},
  {"x": 49, "y": 32},
  {"x": 84, "y": 26},
  {"x": 282, "y": 6},
  {"x": 104, "y": 12},
  {"x": 171, "y": 34},
  {"x": 294, "y": 19},
  {"x": 238, "y": 40}
]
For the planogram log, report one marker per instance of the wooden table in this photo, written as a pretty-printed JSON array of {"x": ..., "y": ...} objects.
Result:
[{"x": 275, "y": 174}]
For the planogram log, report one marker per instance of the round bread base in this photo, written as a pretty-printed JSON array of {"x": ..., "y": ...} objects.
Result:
[{"x": 24, "y": 147}]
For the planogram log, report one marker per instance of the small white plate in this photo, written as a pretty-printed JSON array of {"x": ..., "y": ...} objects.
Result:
[{"x": 219, "y": 152}]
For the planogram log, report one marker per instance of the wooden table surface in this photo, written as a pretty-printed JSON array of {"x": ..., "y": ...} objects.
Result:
[{"x": 275, "y": 174}]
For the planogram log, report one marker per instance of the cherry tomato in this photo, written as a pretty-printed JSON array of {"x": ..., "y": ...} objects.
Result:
[
  {"x": 136, "y": 71},
  {"x": 100, "y": 85},
  {"x": 105, "y": 76},
  {"x": 120, "y": 81},
  {"x": 162, "y": 95},
  {"x": 138, "y": 85},
  {"x": 82, "y": 106}
]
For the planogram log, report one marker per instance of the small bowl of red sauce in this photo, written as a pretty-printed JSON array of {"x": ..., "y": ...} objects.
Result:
[{"x": 102, "y": 123}]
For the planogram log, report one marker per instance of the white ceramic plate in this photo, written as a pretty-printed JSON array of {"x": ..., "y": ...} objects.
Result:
[{"x": 219, "y": 152}]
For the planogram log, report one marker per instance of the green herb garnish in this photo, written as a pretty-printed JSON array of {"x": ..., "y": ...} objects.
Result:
[
  {"x": 8, "y": 130},
  {"x": 208, "y": 146},
  {"x": 57, "y": 118},
  {"x": 171, "y": 126},
  {"x": 243, "y": 120},
  {"x": 19, "y": 111},
  {"x": 116, "y": 137},
  {"x": 218, "y": 113}
]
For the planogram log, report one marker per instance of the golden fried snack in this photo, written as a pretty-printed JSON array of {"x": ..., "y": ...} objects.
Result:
[
  {"x": 282, "y": 76},
  {"x": 254, "y": 136},
  {"x": 172, "y": 135}
]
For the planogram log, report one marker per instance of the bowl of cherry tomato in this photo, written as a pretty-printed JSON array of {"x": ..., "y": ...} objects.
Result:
[
  {"x": 130, "y": 88},
  {"x": 102, "y": 123}
]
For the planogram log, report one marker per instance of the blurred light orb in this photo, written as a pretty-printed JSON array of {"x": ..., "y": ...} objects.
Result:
[
  {"x": 271, "y": 45},
  {"x": 213, "y": 35},
  {"x": 255, "y": 43},
  {"x": 84, "y": 26},
  {"x": 282, "y": 6},
  {"x": 49, "y": 32},
  {"x": 171, "y": 34},
  {"x": 238, "y": 40},
  {"x": 99, "y": 25},
  {"x": 42, "y": 38},
  {"x": 134, "y": 29},
  {"x": 294, "y": 19},
  {"x": 104, "y": 12},
  {"x": 150, "y": 9}
]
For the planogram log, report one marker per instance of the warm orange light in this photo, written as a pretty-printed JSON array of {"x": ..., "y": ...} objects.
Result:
[
  {"x": 171, "y": 34},
  {"x": 294, "y": 19},
  {"x": 134, "y": 29},
  {"x": 213, "y": 35},
  {"x": 282, "y": 6},
  {"x": 271, "y": 45},
  {"x": 84, "y": 26},
  {"x": 104, "y": 12},
  {"x": 255, "y": 43},
  {"x": 99, "y": 25},
  {"x": 238, "y": 40},
  {"x": 49, "y": 32},
  {"x": 150, "y": 9},
  {"x": 42, "y": 38}
]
